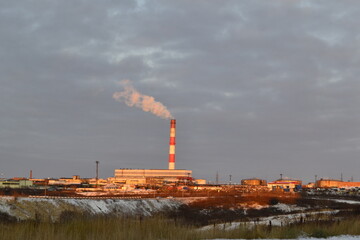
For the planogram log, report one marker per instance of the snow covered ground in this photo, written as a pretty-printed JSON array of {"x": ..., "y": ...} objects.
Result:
[
  {"x": 339, "y": 200},
  {"x": 29, "y": 208},
  {"x": 289, "y": 207},
  {"x": 346, "y": 201},
  {"x": 295, "y": 214},
  {"x": 343, "y": 237}
]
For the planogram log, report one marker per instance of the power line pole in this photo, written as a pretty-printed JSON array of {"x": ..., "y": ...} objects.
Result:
[{"x": 97, "y": 173}]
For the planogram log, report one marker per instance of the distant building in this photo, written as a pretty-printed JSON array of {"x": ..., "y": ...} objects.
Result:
[
  {"x": 309, "y": 185},
  {"x": 253, "y": 182},
  {"x": 200, "y": 181},
  {"x": 146, "y": 176},
  {"x": 75, "y": 180},
  {"x": 100, "y": 182},
  {"x": 15, "y": 183},
  {"x": 333, "y": 183},
  {"x": 288, "y": 185}
]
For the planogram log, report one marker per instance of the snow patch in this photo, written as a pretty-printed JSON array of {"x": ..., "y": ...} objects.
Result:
[
  {"x": 288, "y": 208},
  {"x": 278, "y": 220},
  {"x": 342, "y": 237},
  {"x": 346, "y": 201},
  {"x": 29, "y": 208}
]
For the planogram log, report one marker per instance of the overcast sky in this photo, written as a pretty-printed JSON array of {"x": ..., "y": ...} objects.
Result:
[{"x": 258, "y": 88}]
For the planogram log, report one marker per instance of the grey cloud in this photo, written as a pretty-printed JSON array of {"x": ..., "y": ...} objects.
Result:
[{"x": 258, "y": 88}]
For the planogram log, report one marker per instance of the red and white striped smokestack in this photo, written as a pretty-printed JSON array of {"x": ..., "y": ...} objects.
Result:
[{"x": 172, "y": 144}]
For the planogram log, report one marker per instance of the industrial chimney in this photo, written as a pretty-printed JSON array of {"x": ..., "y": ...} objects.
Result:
[{"x": 172, "y": 144}]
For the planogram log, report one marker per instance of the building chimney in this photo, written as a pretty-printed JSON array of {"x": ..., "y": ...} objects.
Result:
[{"x": 172, "y": 144}]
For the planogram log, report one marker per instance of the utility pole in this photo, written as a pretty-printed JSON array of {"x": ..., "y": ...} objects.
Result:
[
  {"x": 97, "y": 173},
  {"x": 230, "y": 179},
  {"x": 217, "y": 178},
  {"x": 341, "y": 177},
  {"x": 46, "y": 185}
]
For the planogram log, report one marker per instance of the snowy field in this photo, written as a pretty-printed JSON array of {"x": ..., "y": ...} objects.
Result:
[
  {"x": 28, "y": 208},
  {"x": 276, "y": 220},
  {"x": 344, "y": 237}
]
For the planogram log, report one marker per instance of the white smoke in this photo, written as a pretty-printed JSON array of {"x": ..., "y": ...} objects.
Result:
[{"x": 131, "y": 97}]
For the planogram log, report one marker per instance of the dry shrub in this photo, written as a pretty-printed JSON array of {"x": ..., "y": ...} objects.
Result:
[
  {"x": 6, "y": 218},
  {"x": 248, "y": 199}
]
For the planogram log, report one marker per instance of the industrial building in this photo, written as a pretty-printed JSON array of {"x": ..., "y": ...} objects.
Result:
[
  {"x": 288, "y": 185},
  {"x": 253, "y": 182},
  {"x": 333, "y": 183},
  {"x": 146, "y": 176},
  {"x": 15, "y": 183},
  {"x": 75, "y": 180},
  {"x": 154, "y": 176}
]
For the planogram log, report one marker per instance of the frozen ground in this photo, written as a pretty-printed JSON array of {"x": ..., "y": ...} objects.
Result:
[
  {"x": 288, "y": 207},
  {"x": 51, "y": 209},
  {"x": 31, "y": 208},
  {"x": 277, "y": 220},
  {"x": 343, "y": 237},
  {"x": 346, "y": 201},
  {"x": 339, "y": 200}
]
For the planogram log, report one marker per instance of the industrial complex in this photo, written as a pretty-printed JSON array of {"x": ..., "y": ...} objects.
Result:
[
  {"x": 132, "y": 180},
  {"x": 143, "y": 176}
]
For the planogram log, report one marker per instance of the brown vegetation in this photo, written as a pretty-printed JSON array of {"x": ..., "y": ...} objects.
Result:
[
  {"x": 246, "y": 200},
  {"x": 99, "y": 228}
]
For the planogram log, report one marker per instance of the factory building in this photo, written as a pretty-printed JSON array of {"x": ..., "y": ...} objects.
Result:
[
  {"x": 145, "y": 176},
  {"x": 253, "y": 182},
  {"x": 153, "y": 176},
  {"x": 328, "y": 183},
  {"x": 333, "y": 183},
  {"x": 75, "y": 180},
  {"x": 288, "y": 185},
  {"x": 15, "y": 183}
]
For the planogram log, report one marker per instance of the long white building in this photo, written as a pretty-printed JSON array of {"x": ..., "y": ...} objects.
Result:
[{"x": 144, "y": 175}]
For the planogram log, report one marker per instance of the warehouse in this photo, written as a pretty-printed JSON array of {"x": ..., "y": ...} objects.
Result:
[
  {"x": 145, "y": 176},
  {"x": 288, "y": 185},
  {"x": 15, "y": 183},
  {"x": 334, "y": 183},
  {"x": 155, "y": 176},
  {"x": 253, "y": 182}
]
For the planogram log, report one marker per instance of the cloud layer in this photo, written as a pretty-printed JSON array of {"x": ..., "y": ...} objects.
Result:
[{"x": 258, "y": 88}]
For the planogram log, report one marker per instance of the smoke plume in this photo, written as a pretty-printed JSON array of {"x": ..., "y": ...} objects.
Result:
[{"x": 131, "y": 97}]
